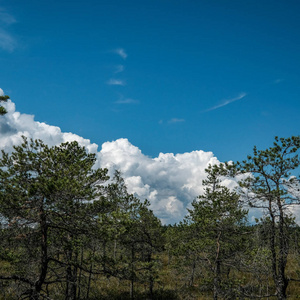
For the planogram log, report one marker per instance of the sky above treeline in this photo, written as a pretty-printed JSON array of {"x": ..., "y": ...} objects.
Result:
[{"x": 197, "y": 81}]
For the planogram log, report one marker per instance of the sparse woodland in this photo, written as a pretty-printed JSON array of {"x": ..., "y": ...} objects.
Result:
[{"x": 68, "y": 231}]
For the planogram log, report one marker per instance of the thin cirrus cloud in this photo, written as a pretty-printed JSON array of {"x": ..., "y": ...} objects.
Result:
[
  {"x": 119, "y": 69},
  {"x": 127, "y": 101},
  {"x": 7, "y": 41},
  {"x": 6, "y": 18},
  {"x": 116, "y": 82},
  {"x": 278, "y": 81},
  {"x": 228, "y": 101},
  {"x": 176, "y": 120},
  {"x": 121, "y": 52}
]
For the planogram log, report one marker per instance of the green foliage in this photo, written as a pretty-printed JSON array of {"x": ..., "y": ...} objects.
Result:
[
  {"x": 4, "y": 98},
  {"x": 46, "y": 200},
  {"x": 69, "y": 232},
  {"x": 217, "y": 220},
  {"x": 269, "y": 185}
]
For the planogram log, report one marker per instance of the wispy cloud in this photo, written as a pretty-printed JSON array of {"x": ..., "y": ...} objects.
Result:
[
  {"x": 7, "y": 42},
  {"x": 176, "y": 120},
  {"x": 227, "y": 101},
  {"x": 127, "y": 101},
  {"x": 6, "y": 18},
  {"x": 116, "y": 82},
  {"x": 119, "y": 69},
  {"x": 278, "y": 81},
  {"x": 121, "y": 52}
]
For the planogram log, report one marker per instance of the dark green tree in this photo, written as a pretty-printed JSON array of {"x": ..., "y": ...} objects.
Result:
[
  {"x": 217, "y": 220},
  {"x": 45, "y": 196},
  {"x": 270, "y": 186},
  {"x": 142, "y": 241},
  {"x": 135, "y": 237}
]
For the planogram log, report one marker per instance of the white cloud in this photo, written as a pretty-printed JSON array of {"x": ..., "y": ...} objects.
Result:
[
  {"x": 119, "y": 69},
  {"x": 121, "y": 52},
  {"x": 6, "y": 18},
  {"x": 127, "y": 101},
  {"x": 278, "y": 81},
  {"x": 170, "y": 181},
  {"x": 228, "y": 101},
  {"x": 7, "y": 42},
  {"x": 116, "y": 82},
  {"x": 14, "y": 124},
  {"x": 176, "y": 120}
]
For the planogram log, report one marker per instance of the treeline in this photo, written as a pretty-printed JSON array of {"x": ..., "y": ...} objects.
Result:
[{"x": 68, "y": 231}]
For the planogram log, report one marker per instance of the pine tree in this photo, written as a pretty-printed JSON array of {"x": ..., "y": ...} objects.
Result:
[
  {"x": 46, "y": 200},
  {"x": 270, "y": 186},
  {"x": 218, "y": 219}
]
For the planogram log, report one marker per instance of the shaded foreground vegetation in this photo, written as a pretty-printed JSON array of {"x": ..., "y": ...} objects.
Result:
[{"x": 68, "y": 231}]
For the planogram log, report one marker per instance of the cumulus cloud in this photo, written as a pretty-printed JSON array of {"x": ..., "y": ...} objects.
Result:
[
  {"x": 116, "y": 82},
  {"x": 14, "y": 124},
  {"x": 170, "y": 181},
  {"x": 228, "y": 101},
  {"x": 121, "y": 52}
]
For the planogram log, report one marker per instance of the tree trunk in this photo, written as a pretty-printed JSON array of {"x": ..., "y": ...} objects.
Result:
[
  {"x": 71, "y": 276},
  {"x": 282, "y": 281},
  {"x": 44, "y": 254},
  {"x": 217, "y": 269},
  {"x": 132, "y": 274},
  {"x": 193, "y": 272},
  {"x": 80, "y": 274},
  {"x": 217, "y": 272},
  {"x": 90, "y": 274}
]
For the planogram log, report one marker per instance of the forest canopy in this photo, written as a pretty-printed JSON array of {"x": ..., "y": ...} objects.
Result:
[{"x": 68, "y": 231}]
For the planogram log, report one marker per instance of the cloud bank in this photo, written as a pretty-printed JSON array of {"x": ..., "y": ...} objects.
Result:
[{"x": 170, "y": 181}]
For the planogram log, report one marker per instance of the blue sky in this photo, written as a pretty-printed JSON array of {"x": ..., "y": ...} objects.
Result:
[{"x": 168, "y": 75}]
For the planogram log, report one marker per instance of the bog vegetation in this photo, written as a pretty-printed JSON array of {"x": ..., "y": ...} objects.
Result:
[{"x": 68, "y": 231}]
